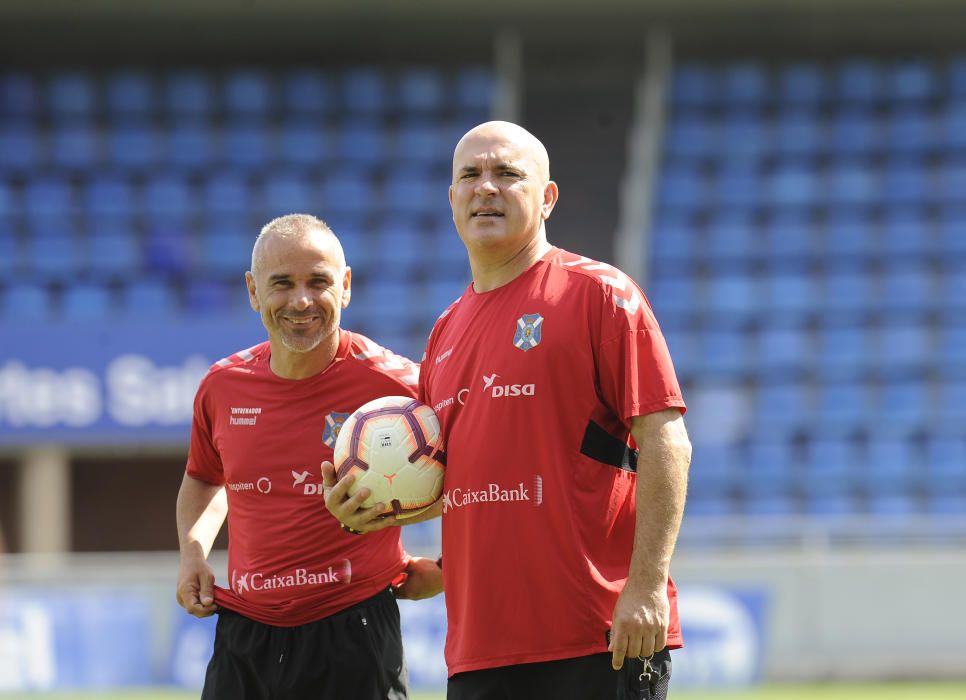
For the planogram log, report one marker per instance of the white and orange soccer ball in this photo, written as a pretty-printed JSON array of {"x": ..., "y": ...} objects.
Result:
[{"x": 390, "y": 444}]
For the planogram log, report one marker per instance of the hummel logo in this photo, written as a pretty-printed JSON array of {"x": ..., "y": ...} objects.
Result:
[
  {"x": 488, "y": 381},
  {"x": 299, "y": 478}
]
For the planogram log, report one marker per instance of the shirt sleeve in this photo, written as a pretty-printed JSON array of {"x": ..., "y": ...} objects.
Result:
[
  {"x": 635, "y": 371},
  {"x": 204, "y": 462}
]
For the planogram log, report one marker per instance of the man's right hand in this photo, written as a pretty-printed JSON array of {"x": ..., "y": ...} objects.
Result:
[{"x": 196, "y": 581}]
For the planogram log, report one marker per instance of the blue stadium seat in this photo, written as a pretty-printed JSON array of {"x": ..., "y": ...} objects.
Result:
[
  {"x": 348, "y": 191},
  {"x": 226, "y": 251},
  {"x": 19, "y": 94},
  {"x": 75, "y": 147},
  {"x": 709, "y": 506},
  {"x": 130, "y": 94},
  {"x": 853, "y": 183},
  {"x": 71, "y": 95},
  {"x": 907, "y": 233},
  {"x": 682, "y": 343},
  {"x": 474, "y": 92},
  {"x": 908, "y": 288},
  {"x": 946, "y": 504},
  {"x": 386, "y": 304},
  {"x": 952, "y": 359},
  {"x": 783, "y": 404},
  {"x": 398, "y": 244},
  {"x": 421, "y": 90},
  {"x": 110, "y": 195},
  {"x": 723, "y": 353},
  {"x": 744, "y": 136},
  {"x": 133, "y": 145},
  {"x": 247, "y": 145},
  {"x": 9, "y": 252},
  {"x": 364, "y": 91},
  {"x": 831, "y": 467},
  {"x": 952, "y": 401},
  {"x": 150, "y": 299},
  {"x": 893, "y": 505},
  {"x": 285, "y": 192},
  {"x": 771, "y": 468},
  {"x": 830, "y": 505},
  {"x": 440, "y": 293},
  {"x": 844, "y": 402},
  {"x": 952, "y": 136},
  {"x": 422, "y": 142},
  {"x": 904, "y": 402},
  {"x": 356, "y": 240},
  {"x": 307, "y": 92},
  {"x": 849, "y": 292},
  {"x": 799, "y": 133},
  {"x": 48, "y": 197},
  {"x": 206, "y": 297},
  {"x": 113, "y": 251},
  {"x": 733, "y": 294},
  {"x": 248, "y": 92},
  {"x": 903, "y": 349},
  {"x": 732, "y": 237},
  {"x": 745, "y": 82},
  {"x": 674, "y": 297},
  {"x": 189, "y": 92},
  {"x": 227, "y": 191},
  {"x": 952, "y": 180},
  {"x": 789, "y": 241},
  {"x": 951, "y": 234},
  {"x": 784, "y": 351},
  {"x": 802, "y": 83},
  {"x": 9, "y": 206},
  {"x": 860, "y": 80},
  {"x": 303, "y": 143},
  {"x": 739, "y": 186},
  {"x": 87, "y": 301},
  {"x": 189, "y": 145},
  {"x": 773, "y": 505},
  {"x": 691, "y": 136},
  {"x": 168, "y": 249},
  {"x": 843, "y": 349},
  {"x": 28, "y": 302},
  {"x": 945, "y": 464},
  {"x": 694, "y": 85},
  {"x": 907, "y": 181},
  {"x": 169, "y": 195},
  {"x": 20, "y": 147},
  {"x": 676, "y": 242},
  {"x": 794, "y": 184},
  {"x": 854, "y": 133},
  {"x": 911, "y": 130},
  {"x": 411, "y": 191},
  {"x": 790, "y": 298},
  {"x": 913, "y": 81},
  {"x": 682, "y": 188},
  {"x": 717, "y": 470},
  {"x": 956, "y": 77},
  {"x": 446, "y": 254},
  {"x": 362, "y": 144}
]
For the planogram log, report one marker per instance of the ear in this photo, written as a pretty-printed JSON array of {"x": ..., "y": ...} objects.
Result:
[
  {"x": 550, "y": 195},
  {"x": 252, "y": 298},
  {"x": 346, "y": 287},
  {"x": 450, "y": 196}
]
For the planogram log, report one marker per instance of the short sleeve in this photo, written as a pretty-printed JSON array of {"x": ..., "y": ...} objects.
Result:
[
  {"x": 635, "y": 371},
  {"x": 204, "y": 462}
]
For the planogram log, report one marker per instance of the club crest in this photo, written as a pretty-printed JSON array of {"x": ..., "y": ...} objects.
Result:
[
  {"x": 333, "y": 424},
  {"x": 529, "y": 327}
]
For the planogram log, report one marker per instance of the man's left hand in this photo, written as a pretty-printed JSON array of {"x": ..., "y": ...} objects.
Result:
[
  {"x": 424, "y": 579},
  {"x": 640, "y": 625},
  {"x": 347, "y": 509}
]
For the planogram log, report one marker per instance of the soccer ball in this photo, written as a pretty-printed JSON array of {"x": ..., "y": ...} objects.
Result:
[{"x": 390, "y": 445}]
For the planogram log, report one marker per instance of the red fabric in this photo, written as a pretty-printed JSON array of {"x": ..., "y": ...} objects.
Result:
[
  {"x": 263, "y": 437},
  {"x": 537, "y": 536}
]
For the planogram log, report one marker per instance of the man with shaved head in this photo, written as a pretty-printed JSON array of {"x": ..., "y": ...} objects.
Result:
[
  {"x": 566, "y": 451},
  {"x": 307, "y": 610}
]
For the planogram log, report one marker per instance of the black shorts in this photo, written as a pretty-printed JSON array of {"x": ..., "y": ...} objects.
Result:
[
  {"x": 583, "y": 678},
  {"x": 355, "y": 653}
]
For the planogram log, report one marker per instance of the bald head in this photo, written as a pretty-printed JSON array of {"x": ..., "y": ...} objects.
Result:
[
  {"x": 294, "y": 226},
  {"x": 526, "y": 144}
]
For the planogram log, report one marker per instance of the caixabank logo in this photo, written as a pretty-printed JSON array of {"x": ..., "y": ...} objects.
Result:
[
  {"x": 521, "y": 492},
  {"x": 243, "y": 582}
]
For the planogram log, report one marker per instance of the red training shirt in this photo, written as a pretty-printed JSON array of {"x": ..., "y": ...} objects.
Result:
[
  {"x": 535, "y": 384},
  {"x": 264, "y": 438}
]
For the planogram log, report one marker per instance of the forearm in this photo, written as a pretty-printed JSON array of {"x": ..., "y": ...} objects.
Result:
[
  {"x": 201, "y": 511},
  {"x": 662, "y": 477}
]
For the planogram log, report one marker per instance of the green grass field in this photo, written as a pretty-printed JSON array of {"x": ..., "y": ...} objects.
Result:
[{"x": 830, "y": 691}]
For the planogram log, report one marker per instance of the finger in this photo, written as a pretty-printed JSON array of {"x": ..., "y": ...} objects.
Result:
[
  {"x": 337, "y": 494},
  {"x": 328, "y": 475},
  {"x": 207, "y": 596},
  {"x": 619, "y": 644},
  {"x": 635, "y": 647},
  {"x": 660, "y": 640}
]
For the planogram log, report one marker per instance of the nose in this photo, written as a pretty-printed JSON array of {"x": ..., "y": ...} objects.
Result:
[
  {"x": 301, "y": 299},
  {"x": 485, "y": 187}
]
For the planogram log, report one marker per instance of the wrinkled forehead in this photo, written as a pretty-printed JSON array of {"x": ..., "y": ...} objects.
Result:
[
  {"x": 477, "y": 148},
  {"x": 306, "y": 249}
]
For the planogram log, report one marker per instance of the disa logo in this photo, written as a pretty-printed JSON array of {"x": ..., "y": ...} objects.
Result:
[{"x": 497, "y": 391}]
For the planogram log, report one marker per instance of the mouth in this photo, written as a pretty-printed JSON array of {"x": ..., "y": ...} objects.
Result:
[
  {"x": 300, "y": 321},
  {"x": 486, "y": 214}
]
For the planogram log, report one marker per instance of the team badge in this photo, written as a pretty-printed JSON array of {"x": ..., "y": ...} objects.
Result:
[
  {"x": 528, "y": 332},
  {"x": 333, "y": 424}
]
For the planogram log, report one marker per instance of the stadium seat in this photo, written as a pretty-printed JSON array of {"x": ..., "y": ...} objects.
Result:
[
  {"x": 675, "y": 296},
  {"x": 770, "y": 469},
  {"x": 774, "y": 505},
  {"x": 189, "y": 93},
  {"x": 410, "y": 192},
  {"x": 20, "y": 147},
  {"x": 19, "y": 94},
  {"x": 723, "y": 353},
  {"x": 27, "y": 301},
  {"x": 247, "y": 145},
  {"x": 733, "y": 294},
  {"x": 852, "y": 183},
  {"x": 907, "y": 181},
  {"x": 75, "y": 147},
  {"x": 113, "y": 251},
  {"x": 789, "y": 241},
  {"x": 349, "y": 191},
  {"x": 946, "y": 504},
  {"x": 738, "y": 186},
  {"x": 364, "y": 91},
  {"x": 676, "y": 242},
  {"x": 830, "y": 505},
  {"x": 133, "y": 146},
  {"x": 860, "y": 81},
  {"x": 248, "y": 92},
  {"x": 440, "y": 293},
  {"x": 445, "y": 253},
  {"x": 421, "y": 90},
  {"x": 854, "y": 133},
  {"x": 907, "y": 234},
  {"x": 227, "y": 191},
  {"x": 951, "y": 234},
  {"x": 189, "y": 145},
  {"x": 912, "y": 81},
  {"x": 951, "y": 178},
  {"x": 952, "y": 137},
  {"x": 226, "y": 251},
  {"x": 893, "y": 464},
  {"x": 794, "y": 184},
  {"x": 904, "y": 402},
  {"x": 71, "y": 95},
  {"x": 9, "y": 253},
  {"x": 952, "y": 359},
  {"x": 745, "y": 82},
  {"x": 474, "y": 91},
  {"x": 784, "y": 352},
  {"x": 831, "y": 466},
  {"x": 844, "y": 403},
  {"x": 799, "y": 133},
  {"x": 87, "y": 302},
  {"x": 48, "y": 197},
  {"x": 307, "y": 92},
  {"x": 9, "y": 207},
  {"x": 169, "y": 195},
  {"x": 849, "y": 292},
  {"x": 130, "y": 94},
  {"x": 110, "y": 195},
  {"x": 744, "y": 136},
  {"x": 903, "y": 349},
  {"x": 53, "y": 254},
  {"x": 719, "y": 468},
  {"x": 732, "y": 238},
  {"x": 952, "y": 401},
  {"x": 911, "y": 130},
  {"x": 908, "y": 288},
  {"x": 790, "y": 298},
  {"x": 206, "y": 297},
  {"x": 168, "y": 249},
  {"x": 398, "y": 247},
  {"x": 893, "y": 505},
  {"x": 150, "y": 299},
  {"x": 303, "y": 143},
  {"x": 691, "y": 137},
  {"x": 945, "y": 464},
  {"x": 802, "y": 83},
  {"x": 683, "y": 188},
  {"x": 783, "y": 404},
  {"x": 288, "y": 192},
  {"x": 362, "y": 144},
  {"x": 694, "y": 85}
]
